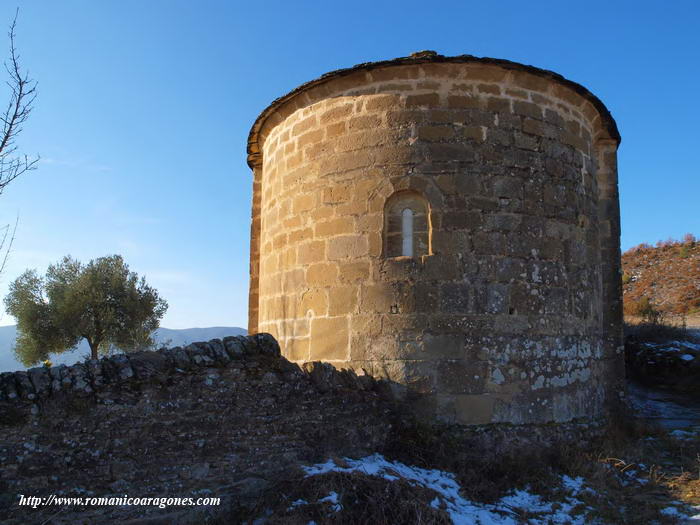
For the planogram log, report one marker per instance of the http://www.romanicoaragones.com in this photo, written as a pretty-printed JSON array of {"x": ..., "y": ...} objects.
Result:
[{"x": 53, "y": 499}]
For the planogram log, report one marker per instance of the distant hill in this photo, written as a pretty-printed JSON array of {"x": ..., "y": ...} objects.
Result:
[
  {"x": 163, "y": 336},
  {"x": 666, "y": 275}
]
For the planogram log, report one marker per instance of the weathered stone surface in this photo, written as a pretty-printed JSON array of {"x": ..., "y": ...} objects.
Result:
[
  {"x": 198, "y": 356},
  {"x": 519, "y": 240},
  {"x": 41, "y": 380},
  {"x": 218, "y": 352},
  {"x": 234, "y": 347},
  {"x": 122, "y": 367},
  {"x": 322, "y": 375},
  {"x": 180, "y": 358},
  {"x": 8, "y": 386},
  {"x": 25, "y": 389},
  {"x": 267, "y": 344},
  {"x": 80, "y": 380},
  {"x": 163, "y": 431},
  {"x": 148, "y": 364},
  {"x": 94, "y": 371}
]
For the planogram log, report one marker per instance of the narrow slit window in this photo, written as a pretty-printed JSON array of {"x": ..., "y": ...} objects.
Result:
[
  {"x": 407, "y": 232},
  {"x": 406, "y": 226}
]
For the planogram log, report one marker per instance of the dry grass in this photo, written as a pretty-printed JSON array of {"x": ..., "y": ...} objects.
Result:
[
  {"x": 362, "y": 499},
  {"x": 634, "y": 469},
  {"x": 627, "y": 446},
  {"x": 637, "y": 470},
  {"x": 483, "y": 475}
]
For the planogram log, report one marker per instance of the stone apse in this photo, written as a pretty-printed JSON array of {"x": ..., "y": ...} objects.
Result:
[{"x": 450, "y": 224}]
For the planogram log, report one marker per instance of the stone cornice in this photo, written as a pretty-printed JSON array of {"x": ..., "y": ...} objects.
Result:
[{"x": 427, "y": 57}]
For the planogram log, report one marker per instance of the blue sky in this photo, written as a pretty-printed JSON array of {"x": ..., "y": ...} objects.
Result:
[{"x": 144, "y": 109}]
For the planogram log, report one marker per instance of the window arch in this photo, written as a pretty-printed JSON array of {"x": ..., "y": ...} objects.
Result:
[{"x": 406, "y": 225}]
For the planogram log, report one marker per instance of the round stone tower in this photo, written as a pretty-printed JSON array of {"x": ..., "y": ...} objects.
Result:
[{"x": 450, "y": 224}]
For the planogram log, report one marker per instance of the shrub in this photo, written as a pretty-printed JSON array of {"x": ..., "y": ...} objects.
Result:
[{"x": 648, "y": 312}]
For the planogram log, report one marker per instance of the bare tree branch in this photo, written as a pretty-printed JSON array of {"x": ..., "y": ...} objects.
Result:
[
  {"x": 8, "y": 239},
  {"x": 19, "y": 107}
]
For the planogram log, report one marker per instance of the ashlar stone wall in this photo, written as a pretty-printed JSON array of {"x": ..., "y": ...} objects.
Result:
[{"x": 511, "y": 317}]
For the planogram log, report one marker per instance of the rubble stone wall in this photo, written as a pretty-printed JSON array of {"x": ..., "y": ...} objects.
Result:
[{"x": 216, "y": 419}]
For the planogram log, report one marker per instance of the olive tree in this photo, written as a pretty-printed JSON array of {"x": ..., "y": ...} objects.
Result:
[{"x": 101, "y": 301}]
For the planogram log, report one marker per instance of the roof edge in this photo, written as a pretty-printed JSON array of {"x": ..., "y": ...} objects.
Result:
[{"x": 428, "y": 57}]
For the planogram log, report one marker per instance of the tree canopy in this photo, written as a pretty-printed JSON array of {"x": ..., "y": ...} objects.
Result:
[{"x": 102, "y": 302}]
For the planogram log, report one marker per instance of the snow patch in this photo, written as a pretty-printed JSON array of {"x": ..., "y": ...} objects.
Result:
[
  {"x": 332, "y": 498},
  {"x": 684, "y": 434},
  {"x": 507, "y": 511},
  {"x": 688, "y": 344}
]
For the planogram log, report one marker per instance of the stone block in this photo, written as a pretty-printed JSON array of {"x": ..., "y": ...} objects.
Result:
[
  {"x": 435, "y": 133},
  {"x": 456, "y": 298},
  {"x": 329, "y": 339},
  {"x": 461, "y": 220},
  {"x": 463, "y": 101},
  {"x": 309, "y": 138},
  {"x": 474, "y": 409},
  {"x": 313, "y": 301},
  {"x": 297, "y": 349},
  {"x": 427, "y": 99},
  {"x": 477, "y": 133},
  {"x": 305, "y": 125},
  {"x": 8, "y": 386},
  {"x": 322, "y": 274},
  {"x": 311, "y": 252},
  {"x": 498, "y": 105},
  {"x": 353, "y": 272},
  {"x": 377, "y": 298},
  {"x": 456, "y": 376},
  {"x": 41, "y": 380},
  {"x": 347, "y": 246},
  {"x": 336, "y": 226},
  {"x": 437, "y": 346},
  {"x": 336, "y": 113},
  {"x": 364, "y": 122},
  {"x": 491, "y": 89},
  {"x": 335, "y": 130},
  {"x": 497, "y": 298},
  {"x": 342, "y": 300},
  {"x": 382, "y": 102},
  {"x": 149, "y": 364},
  {"x": 266, "y": 343}
]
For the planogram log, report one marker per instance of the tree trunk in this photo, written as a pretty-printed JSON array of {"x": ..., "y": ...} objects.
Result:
[{"x": 93, "y": 348}]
